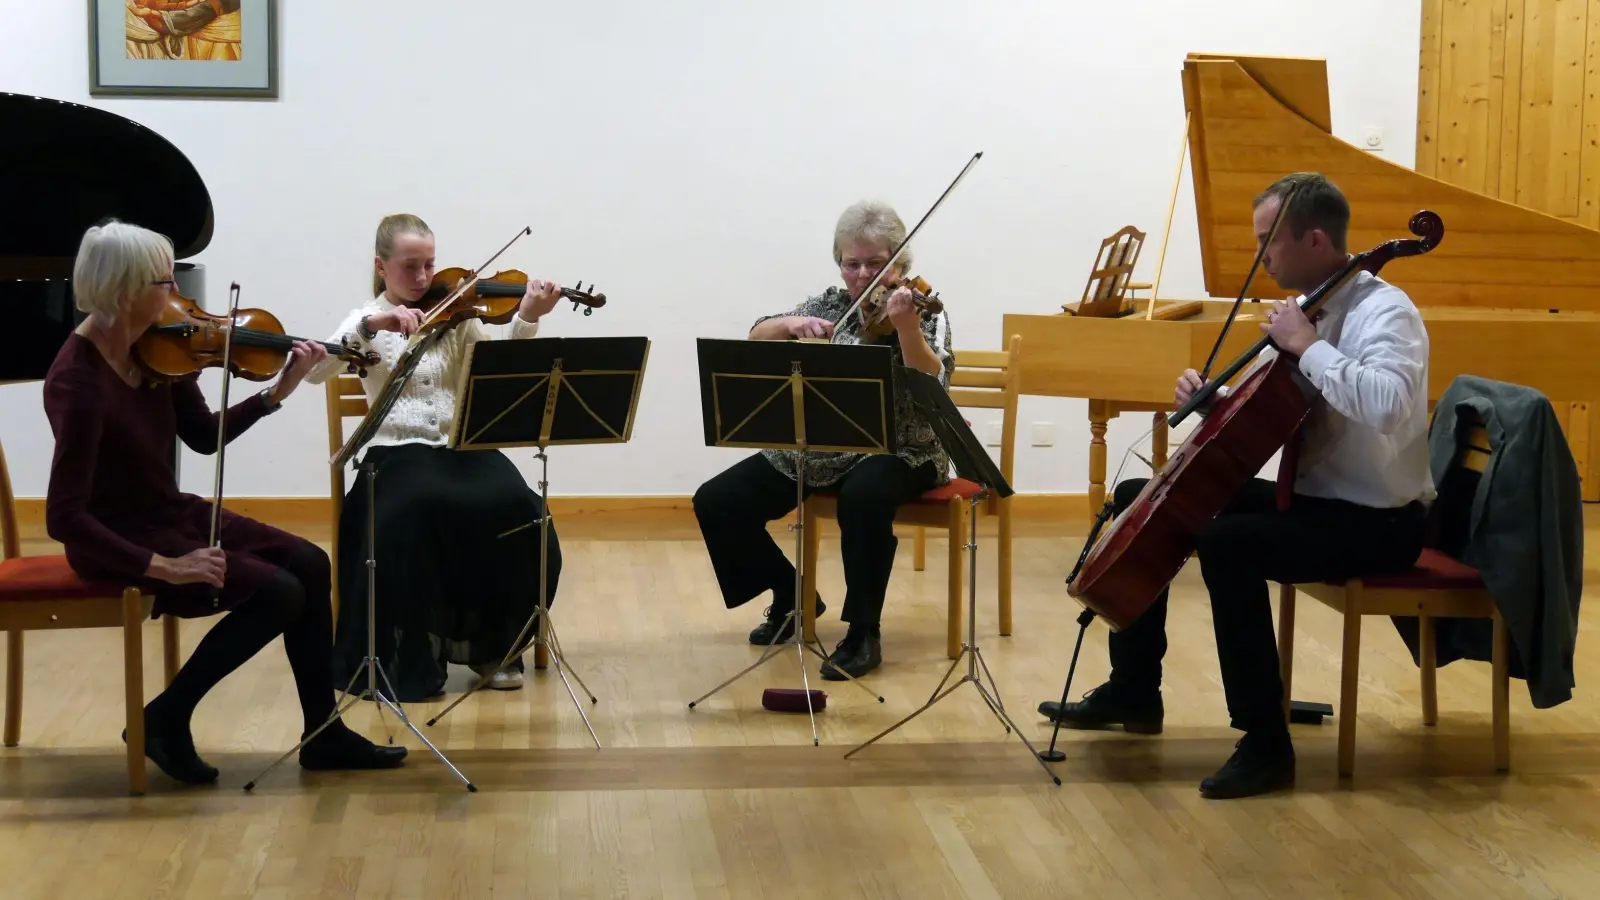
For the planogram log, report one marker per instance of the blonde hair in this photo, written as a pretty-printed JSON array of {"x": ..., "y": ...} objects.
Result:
[
  {"x": 870, "y": 220},
  {"x": 389, "y": 231},
  {"x": 116, "y": 261}
]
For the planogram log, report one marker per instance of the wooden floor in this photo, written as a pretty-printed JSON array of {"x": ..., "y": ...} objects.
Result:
[{"x": 728, "y": 800}]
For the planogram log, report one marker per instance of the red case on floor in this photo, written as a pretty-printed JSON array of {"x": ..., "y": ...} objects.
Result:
[{"x": 792, "y": 700}]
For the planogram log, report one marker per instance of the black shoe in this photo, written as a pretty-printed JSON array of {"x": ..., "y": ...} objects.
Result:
[
  {"x": 337, "y": 747},
  {"x": 173, "y": 753},
  {"x": 1110, "y": 704},
  {"x": 777, "y": 628},
  {"x": 860, "y": 652},
  {"x": 1259, "y": 765}
]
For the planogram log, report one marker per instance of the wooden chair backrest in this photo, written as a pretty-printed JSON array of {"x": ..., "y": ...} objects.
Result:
[
  {"x": 1113, "y": 268},
  {"x": 345, "y": 399},
  {"x": 1451, "y": 514},
  {"x": 987, "y": 379},
  {"x": 8, "y": 512}
]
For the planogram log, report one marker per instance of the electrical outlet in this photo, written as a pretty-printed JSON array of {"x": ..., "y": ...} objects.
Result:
[
  {"x": 1044, "y": 434},
  {"x": 1372, "y": 138},
  {"x": 994, "y": 434}
]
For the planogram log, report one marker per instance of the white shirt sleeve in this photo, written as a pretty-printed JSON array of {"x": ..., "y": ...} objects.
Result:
[{"x": 1377, "y": 384}]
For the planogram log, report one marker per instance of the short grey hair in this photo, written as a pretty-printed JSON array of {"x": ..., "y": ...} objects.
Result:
[
  {"x": 115, "y": 261},
  {"x": 870, "y": 220}
]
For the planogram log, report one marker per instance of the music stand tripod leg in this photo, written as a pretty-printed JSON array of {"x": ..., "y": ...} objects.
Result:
[
  {"x": 973, "y": 656},
  {"x": 369, "y": 664}
]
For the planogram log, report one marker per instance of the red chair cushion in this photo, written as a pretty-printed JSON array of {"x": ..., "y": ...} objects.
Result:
[
  {"x": 958, "y": 487},
  {"x": 1434, "y": 571},
  {"x": 34, "y": 578}
]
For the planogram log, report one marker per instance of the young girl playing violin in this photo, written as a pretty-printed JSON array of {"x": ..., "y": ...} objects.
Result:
[
  {"x": 734, "y": 508},
  {"x": 458, "y": 568},
  {"x": 115, "y": 506}
]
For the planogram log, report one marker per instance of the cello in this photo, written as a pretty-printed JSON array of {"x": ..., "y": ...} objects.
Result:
[
  {"x": 1141, "y": 553},
  {"x": 1119, "y": 576}
]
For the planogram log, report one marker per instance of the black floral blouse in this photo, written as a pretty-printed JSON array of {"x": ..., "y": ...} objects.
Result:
[{"x": 918, "y": 443}]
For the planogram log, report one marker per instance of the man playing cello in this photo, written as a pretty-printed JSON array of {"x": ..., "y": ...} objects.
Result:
[{"x": 1361, "y": 489}]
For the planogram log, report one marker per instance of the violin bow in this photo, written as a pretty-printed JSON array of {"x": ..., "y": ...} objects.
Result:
[
  {"x": 1261, "y": 252},
  {"x": 467, "y": 283},
  {"x": 867, "y": 291},
  {"x": 222, "y": 419}
]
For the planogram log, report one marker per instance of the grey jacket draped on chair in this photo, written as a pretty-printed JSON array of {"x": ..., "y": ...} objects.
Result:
[{"x": 1520, "y": 524}]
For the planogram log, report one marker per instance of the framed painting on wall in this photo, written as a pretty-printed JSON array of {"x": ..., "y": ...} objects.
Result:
[{"x": 183, "y": 48}]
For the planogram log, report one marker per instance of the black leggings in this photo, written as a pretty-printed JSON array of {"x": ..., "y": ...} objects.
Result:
[{"x": 295, "y": 603}]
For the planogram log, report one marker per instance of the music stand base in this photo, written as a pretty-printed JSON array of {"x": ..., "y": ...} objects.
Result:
[
  {"x": 793, "y": 621},
  {"x": 973, "y": 656},
  {"x": 539, "y": 623},
  {"x": 352, "y": 697}
]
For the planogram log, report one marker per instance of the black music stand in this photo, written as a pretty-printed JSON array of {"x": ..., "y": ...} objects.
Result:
[
  {"x": 540, "y": 392},
  {"x": 366, "y": 429},
  {"x": 797, "y": 395},
  {"x": 973, "y": 463}
]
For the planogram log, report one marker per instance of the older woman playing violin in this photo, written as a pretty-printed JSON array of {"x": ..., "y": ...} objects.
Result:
[
  {"x": 458, "y": 568},
  {"x": 734, "y": 508},
  {"x": 115, "y": 506}
]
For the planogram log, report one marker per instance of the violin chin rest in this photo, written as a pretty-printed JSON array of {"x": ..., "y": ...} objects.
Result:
[{"x": 792, "y": 700}]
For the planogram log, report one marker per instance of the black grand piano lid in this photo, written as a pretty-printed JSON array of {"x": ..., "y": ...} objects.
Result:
[{"x": 64, "y": 167}]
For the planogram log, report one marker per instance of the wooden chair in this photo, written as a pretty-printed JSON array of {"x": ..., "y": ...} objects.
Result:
[
  {"x": 39, "y": 593},
  {"x": 983, "y": 379},
  {"x": 1437, "y": 586},
  {"x": 347, "y": 399}
]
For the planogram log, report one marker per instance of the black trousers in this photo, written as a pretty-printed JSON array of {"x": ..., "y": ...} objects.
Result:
[
  {"x": 735, "y": 507},
  {"x": 1240, "y": 551}
]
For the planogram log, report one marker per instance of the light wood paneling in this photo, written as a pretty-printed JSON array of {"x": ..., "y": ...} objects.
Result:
[{"x": 1508, "y": 105}]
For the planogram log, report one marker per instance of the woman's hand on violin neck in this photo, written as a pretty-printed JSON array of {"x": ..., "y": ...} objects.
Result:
[
  {"x": 305, "y": 356},
  {"x": 401, "y": 319},
  {"x": 540, "y": 298},
  {"x": 903, "y": 312},
  {"x": 208, "y": 565}
]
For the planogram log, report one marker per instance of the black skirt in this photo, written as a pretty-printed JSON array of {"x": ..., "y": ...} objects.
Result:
[{"x": 457, "y": 564}]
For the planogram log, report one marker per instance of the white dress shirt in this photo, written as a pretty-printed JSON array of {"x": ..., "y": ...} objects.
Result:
[
  {"x": 1366, "y": 438},
  {"x": 426, "y": 409}
]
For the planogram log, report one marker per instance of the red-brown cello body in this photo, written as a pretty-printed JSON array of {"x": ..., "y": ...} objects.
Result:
[{"x": 1143, "y": 550}]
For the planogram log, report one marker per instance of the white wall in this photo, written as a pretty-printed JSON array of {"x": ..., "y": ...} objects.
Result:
[{"x": 691, "y": 157}]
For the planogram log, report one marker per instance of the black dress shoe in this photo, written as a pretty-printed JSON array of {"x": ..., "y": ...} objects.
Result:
[
  {"x": 860, "y": 652},
  {"x": 777, "y": 628},
  {"x": 1260, "y": 764},
  {"x": 173, "y": 753},
  {"x": 339, "y": 748},
  {"x": 1138, "y": 712}
]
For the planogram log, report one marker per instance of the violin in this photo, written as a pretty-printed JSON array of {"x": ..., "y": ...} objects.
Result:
[
  {"x": 186, "y": 339},
  {"x": 875, "y": 322},
  {"x": 494, "y": 298}
]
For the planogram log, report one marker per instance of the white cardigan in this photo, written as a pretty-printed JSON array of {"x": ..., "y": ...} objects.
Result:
[{"x": 425, "y": 411}]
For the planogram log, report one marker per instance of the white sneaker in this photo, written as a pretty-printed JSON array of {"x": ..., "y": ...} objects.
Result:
[{"x": 504, "y": 680}]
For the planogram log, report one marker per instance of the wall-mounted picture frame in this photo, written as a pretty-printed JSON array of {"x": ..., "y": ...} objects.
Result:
[{"x": 183, "y": 48}]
